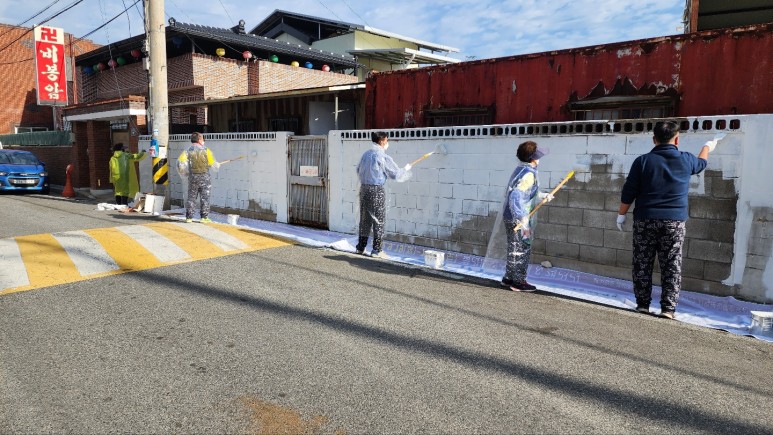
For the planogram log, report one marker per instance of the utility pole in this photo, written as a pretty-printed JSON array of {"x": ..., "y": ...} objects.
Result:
[{"x": 155, "y": 31}]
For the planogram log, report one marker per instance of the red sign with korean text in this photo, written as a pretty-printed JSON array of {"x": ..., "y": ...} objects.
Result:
[{"x": 50, "y": 71}]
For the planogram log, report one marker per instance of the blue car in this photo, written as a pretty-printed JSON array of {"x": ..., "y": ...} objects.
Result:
[{"x": 21, "y": 171}]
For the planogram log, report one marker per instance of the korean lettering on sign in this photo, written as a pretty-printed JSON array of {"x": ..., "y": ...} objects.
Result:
[{"x": 50, "y": 66}]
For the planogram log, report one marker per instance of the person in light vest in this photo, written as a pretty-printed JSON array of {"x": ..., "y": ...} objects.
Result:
[
  {"x": 195, "y": 163},
  {"x": 521, "y": 196},
  {"x": 123, "y": 174}
]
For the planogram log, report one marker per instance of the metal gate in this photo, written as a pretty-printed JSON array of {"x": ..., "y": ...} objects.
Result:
[{"x": 307, "y": 157}]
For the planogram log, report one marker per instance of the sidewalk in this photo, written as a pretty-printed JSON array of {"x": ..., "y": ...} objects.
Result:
[{"x": 723, "y": 313}]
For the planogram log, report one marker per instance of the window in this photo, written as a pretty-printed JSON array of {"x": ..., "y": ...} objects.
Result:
[
  {"x": 284, "y": 124},
  {"x": 29, "y": 129},
  {"x": 644, "y": 107}
]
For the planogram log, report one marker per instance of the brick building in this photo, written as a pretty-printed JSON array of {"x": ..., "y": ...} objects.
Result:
[
  {"x": 214, "y": 76},
  {"x": 20, "y": 112}
]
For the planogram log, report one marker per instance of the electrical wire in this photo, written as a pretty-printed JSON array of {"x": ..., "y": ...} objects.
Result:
[
  {"x": 42, "y": 22},
  {"x": 226, "y": 12},
  {"x": 107, "y": 22}
]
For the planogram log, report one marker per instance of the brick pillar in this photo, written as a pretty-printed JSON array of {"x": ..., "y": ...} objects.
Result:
[
  {"x": 80, "y": 156},
  {"x": 100, "y": 151}
]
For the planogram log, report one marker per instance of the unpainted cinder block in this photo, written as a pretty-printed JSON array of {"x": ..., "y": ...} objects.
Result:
[
  {"x": 710, "y": 251},
  {"x": 561, "y": 249}
]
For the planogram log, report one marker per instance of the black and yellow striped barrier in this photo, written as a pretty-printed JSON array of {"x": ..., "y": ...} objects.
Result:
[{"x": 160, "y": 171}]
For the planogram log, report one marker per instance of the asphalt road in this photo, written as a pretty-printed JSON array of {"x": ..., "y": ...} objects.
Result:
[{"x": 301, "y": 340}]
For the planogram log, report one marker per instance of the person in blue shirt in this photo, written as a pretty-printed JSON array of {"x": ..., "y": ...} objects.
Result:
[
  {"x": 373, "y": 170},
  {"x": 658, "y": 183},
  {"x": 521, "y": 196}
]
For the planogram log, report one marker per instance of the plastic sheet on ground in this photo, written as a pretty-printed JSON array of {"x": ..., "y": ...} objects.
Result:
[{"x": 723, "y": 313}]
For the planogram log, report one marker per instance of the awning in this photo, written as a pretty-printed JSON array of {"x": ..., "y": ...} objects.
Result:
[{"x": 402, "y": 55}]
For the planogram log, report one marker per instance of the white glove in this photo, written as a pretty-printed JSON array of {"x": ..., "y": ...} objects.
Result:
[
  {"x": 408, "y": 167},
  {"x": 620, "y": 221},
  {"x": 546, "y": 196},
  {"x": 711, "y": 144}
]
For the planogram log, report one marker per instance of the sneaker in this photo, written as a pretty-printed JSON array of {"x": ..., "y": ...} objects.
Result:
[
  {"x": 187, "y": 221},
  {"x": 206, "y": 220},
  {"x": 360, "y": 252},
  {"x": 522, "y": 286},
  {"x": 667, "y": 315},
  {"x": 506, "y": 283},
  {"x": 643, "y": 310},
  {"x": 379, "y": 254}
]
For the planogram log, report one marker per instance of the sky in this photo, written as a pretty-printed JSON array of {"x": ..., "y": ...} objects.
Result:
[{"x": 480, "y": 29}]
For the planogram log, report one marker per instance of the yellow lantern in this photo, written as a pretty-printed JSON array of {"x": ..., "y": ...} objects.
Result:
[
  {"x": 295, "y": 63},
  {"x": 220, "y": 52}
]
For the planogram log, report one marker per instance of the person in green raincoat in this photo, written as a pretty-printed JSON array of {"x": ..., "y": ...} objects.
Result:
[{"x": 122, "y": 173}]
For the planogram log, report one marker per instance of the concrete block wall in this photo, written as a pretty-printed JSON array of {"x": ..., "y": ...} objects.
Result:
[
  {"x": 254, "y": 187},
  {"x": 452, "y": 201}
]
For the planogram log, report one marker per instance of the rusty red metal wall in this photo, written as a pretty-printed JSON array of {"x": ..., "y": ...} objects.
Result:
[{"x": 726, "y": 71}]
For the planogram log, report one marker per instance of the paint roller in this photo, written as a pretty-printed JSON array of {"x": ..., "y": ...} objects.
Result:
[
  {"x": 552, "y": 192},
  {"x": 439, "y": 149},
  {"x": 231, "y": 160}
]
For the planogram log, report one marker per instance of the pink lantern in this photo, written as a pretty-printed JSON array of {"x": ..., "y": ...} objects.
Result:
[
  {"x": 111, "y": 63},
  {"x": 136, "y": 53},
  {"x": 325, "y": 68},
  {"x": 101, "y": 66},
  {"x": 247, "y": 55}
]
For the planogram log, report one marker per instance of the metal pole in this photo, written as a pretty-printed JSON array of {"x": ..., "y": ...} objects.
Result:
[{"x": 159, "y": 103}]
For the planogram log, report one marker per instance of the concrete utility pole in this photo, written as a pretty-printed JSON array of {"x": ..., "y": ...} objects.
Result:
[{"x": 159, "y": 105}]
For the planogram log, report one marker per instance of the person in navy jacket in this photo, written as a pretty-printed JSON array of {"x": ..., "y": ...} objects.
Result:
[{"x": 658, "y": 183}]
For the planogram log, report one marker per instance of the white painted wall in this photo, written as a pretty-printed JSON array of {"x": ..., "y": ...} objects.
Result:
[
  {"x": 261, "y": 177},
  {"x": 448, "y": 191}
]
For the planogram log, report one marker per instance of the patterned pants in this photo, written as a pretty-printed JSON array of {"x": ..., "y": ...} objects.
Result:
[
  {"x": 518, "y": 254},
  {"x": 372, "y": 215},
  {"x": 199, "y": 185},
  {"x": 664, "y": 238}
]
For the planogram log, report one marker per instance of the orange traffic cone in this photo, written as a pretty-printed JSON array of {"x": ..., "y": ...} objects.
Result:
[{"x": 68, "y": 191}]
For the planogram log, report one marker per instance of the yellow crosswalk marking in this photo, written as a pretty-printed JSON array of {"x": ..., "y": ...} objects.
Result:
[
  {"x": 196, "y": 246},
  {"x": 127, "y": 253},
  {"x": 47, "y": 263},
  {"x": 252, "y": 238}
]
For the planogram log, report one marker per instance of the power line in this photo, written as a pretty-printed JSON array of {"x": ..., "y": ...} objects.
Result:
[
  {"x": 226, "y": 11},
  {"x": 43, "y": 22},
  {"x": 107, "y": 22}
]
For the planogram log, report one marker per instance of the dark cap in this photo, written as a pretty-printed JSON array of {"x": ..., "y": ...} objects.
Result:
[{"x": 539, "y": 153}]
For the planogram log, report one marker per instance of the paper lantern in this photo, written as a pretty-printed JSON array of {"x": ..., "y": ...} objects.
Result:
[
  {"x": 88, "y": 70},
  {"x": 121, "y": 61},
  {"x": 220, "y": 52},
  {"x": 295, "y": 63},
  {"x": 136, "y": 53},
  {"x": 325, "y": 68},
  {"x": 101, "y": 66},
  {"x": 274, "y": 58},
  {"x": 309, "y": 65},
  {"x": 111, "y": 63},
  {"x": 247, "y": 55}
]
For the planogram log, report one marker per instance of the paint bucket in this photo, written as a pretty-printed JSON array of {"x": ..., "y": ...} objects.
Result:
[
  {"x": 154, "y": 204},
  {"x": 762, "y": 323},
  {"x": 233, "y": 219},
  {"x": 434, "y": 259}
]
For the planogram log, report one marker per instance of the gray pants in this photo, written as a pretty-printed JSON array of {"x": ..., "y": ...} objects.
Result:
[
  {"x": 372, "y": 215},
  {"x": 518, "y": 254},
  {"x": 663, "y": 238},
  {"x": 199, "y": 185}
]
